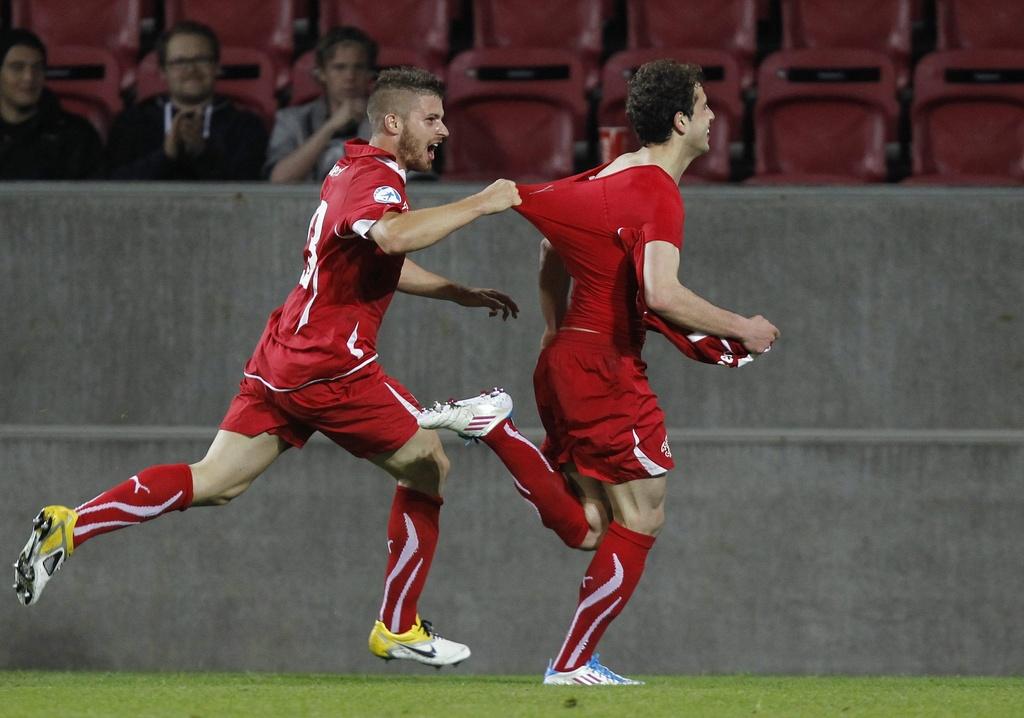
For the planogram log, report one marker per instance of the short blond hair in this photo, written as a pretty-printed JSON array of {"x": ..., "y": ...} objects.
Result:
[{"x": 394, "y": 89}]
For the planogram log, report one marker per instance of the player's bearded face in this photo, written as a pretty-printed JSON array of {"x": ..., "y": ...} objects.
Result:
[
  {"x": 422, "y": 131},
  {"x": 413, "y": 152}
]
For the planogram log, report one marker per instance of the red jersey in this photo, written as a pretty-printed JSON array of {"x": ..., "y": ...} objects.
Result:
[
  {"x": 581, "y": 216},
  {"x": 327, "y": 327}
]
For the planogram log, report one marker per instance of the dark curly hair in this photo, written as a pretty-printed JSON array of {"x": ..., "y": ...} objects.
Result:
[
  {"x": 657, "y": 91},
  {"x": 392, "y": 89},
  {"x": 345, "y": 34}
]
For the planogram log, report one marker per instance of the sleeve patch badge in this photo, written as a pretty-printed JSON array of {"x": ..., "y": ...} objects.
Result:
[{"x": 387, "y": 195}]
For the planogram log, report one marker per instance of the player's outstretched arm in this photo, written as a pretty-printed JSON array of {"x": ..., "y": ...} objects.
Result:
[
  {"x": 399, "y": 233},
  {"x": 424, "y": 283},
  {"x": 553, "y": 281},
  {"x": 675, "y": 303}
]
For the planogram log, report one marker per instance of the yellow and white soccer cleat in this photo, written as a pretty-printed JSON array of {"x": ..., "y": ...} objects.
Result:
[
  {"x": 51, "y": 542},
  {"x": 419, "y": 643}
]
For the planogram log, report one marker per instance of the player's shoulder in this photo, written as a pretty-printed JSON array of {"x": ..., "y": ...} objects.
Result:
[
  {"x": 645, "y": 185},
  {"x": 360, "y": 181}
]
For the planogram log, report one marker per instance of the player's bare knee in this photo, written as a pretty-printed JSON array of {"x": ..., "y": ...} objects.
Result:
[
  {"x": 597, "y": 524},
  {"x": 426, "y": 472},
  {"x": 643, "y": 521}
]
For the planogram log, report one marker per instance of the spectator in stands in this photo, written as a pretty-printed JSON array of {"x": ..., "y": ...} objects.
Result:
[
  {"x": 190, "y": 133},
  {"x": 39, "y": 140},
  {"x": 307, "y": 140}
]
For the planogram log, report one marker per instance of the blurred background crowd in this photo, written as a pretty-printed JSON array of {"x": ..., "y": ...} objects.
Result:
[{"x": 804, "y": 91}]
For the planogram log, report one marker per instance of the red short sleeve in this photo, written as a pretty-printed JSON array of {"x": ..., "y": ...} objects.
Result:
[
  {"x": 357, "y": 204},
  {"x": 665, "y": 223}
]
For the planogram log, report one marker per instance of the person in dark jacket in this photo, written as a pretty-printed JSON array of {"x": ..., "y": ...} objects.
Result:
[
  {"x": 190, "y": 133},
  {"x": 38, "y": 140}
]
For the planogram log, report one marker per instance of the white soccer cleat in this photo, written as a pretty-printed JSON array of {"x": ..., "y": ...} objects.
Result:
[
  {"x": 471, "y": 418},
  {"x": 592, "y": 673},
  {"x": 420, "y": 643},
  {"x": 51, "y": 542}
]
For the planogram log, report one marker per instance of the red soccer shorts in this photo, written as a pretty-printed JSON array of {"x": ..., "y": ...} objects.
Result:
[
  {"x": 367, "y": 414},
  {"x": 599, "y": 411}
]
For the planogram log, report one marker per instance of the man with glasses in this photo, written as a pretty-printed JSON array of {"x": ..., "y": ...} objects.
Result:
[{"x": 190, "y": 133}]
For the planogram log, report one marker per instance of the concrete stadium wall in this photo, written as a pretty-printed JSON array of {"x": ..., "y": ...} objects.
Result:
[
  {"x": 139, "y": 304},
  {"x": 851, "y": 503},
  {"x": 781, "y": 555}
]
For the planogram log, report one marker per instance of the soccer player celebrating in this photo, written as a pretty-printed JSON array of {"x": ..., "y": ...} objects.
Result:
[
  {"x": 315, "y": 369},
  {"x": 609, "y": 232}
]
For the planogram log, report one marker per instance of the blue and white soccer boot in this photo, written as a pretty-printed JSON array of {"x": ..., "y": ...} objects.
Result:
[
  {"x": 471, "y": 418},
  {"x": 592, "y": 673}
]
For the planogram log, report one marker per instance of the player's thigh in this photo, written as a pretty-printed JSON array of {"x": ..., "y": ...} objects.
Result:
[
  {"x": 639, "y": 504},
  {"x": 420, "y": 463},
  {"x": 231, "y": 464},
  {"x": 369, "y": 414}
]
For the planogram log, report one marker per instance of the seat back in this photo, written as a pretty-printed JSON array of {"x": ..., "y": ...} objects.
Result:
[
  {"x": 266, "y": 26},
  {"x": 112, "y": 25},
  {"x": 575, "y": 25},
  {"x": 721, "y": 85},
  {"x": 979, "y": 24},
  {"x": 729, "y": 25},
  {"x": 396, "y": 25},
  {"x": 87, "y": 81},
  {"x": 304, "y": 86},
  {"x": 967, "y": 117},
  {"x": 826, "y": 113},
  {"x": 512, "y": 113},
  {"x": 880, "y": 25}
]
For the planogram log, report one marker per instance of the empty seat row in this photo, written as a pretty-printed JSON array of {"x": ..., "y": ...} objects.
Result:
[
  {"x": 820, "y": 116},
  {"x": 421, "y": 31}
]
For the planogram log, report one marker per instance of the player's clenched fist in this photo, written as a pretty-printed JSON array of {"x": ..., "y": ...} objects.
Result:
[
  {"x": 499, "y": 196},
  {"x": 760, "y": 335}
]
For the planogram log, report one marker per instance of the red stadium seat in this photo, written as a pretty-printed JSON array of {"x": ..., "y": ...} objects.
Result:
[
  {"x": 721, "y": 84},
  {"x": 978, "y": 24},
  {"x": 880, "y": 25},
  {"x": 575, "y": 25},
  {"x": 398, "y": 25},
  {"x": 268, "y": 28},
  {"x": 729, "y": 25},
  {"x": 87, "y": 80},
  {"x": 306, "y": 88},
  {"x": 512, "y": 113},
  {"x": 824, "y": 116},
  {"x": 112, "y": 25},
  {"x": 967, "y": 118},
  {"x": 246, "y": 76}
]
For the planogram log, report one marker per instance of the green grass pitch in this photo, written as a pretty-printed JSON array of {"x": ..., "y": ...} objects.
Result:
[{"x": 201, "y": 695}]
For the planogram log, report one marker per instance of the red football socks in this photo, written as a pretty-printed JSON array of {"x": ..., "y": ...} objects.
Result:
[
  {"x": 150, "y": 493},
  {"x": 611, "y": 577},
  {"x": 537, "y": 482},
  {"x": 412, "y": 538}
]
